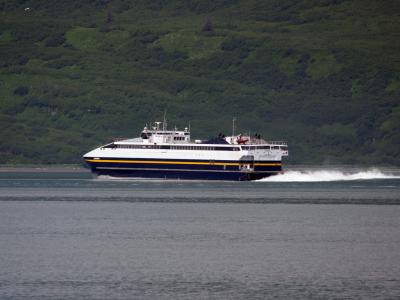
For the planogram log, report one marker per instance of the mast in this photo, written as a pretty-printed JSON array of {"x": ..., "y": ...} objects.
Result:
[{"x": 165, "y": 121}]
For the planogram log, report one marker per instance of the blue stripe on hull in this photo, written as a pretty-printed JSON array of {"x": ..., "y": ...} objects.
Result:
[
  {"x": 169, "y": 166},
  {"x": 176, "y": 174},
  {"x": 172, "y": 166}
]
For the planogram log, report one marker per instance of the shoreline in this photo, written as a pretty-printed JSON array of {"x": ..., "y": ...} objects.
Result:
[{"x": 44, "y": 169}]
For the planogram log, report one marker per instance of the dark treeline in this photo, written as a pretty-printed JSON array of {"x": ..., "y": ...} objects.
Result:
[{"x": 323, "y": 75}]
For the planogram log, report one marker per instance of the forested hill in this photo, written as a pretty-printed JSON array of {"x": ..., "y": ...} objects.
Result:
[{"x": 322, "y": 74}]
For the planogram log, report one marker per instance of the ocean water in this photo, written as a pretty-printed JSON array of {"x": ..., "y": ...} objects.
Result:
[{"x": 306, "y": 234}]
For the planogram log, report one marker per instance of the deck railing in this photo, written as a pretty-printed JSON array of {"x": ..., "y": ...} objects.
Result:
[{"x": 262, "y": 141}]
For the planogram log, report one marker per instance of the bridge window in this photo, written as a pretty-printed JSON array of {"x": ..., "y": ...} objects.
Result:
[{"x": 112, "y": 145}]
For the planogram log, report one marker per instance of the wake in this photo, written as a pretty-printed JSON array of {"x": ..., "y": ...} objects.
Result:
[{"x": 329, "y": 175}]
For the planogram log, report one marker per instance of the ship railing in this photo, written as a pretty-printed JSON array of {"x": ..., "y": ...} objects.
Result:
[
  {"x": 262, "y": 141},
  {"x": 277, "y": 142},
  {"x": 118, "y": 139}
]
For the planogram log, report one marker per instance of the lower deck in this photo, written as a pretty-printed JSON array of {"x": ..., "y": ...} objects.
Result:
[{"x": 184, "y": 169}]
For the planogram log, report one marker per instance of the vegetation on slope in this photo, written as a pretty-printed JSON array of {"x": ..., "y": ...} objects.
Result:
[{"x": 323, "y": 75}]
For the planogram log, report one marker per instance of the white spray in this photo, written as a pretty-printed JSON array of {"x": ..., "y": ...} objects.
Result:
[{"x": 329, "y": 175}]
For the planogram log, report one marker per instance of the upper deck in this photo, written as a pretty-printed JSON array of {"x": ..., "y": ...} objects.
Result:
[{"x": 160, "y": 135}]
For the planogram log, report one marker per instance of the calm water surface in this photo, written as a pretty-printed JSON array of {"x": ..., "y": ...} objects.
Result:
[{"x": 67, "y": 236}]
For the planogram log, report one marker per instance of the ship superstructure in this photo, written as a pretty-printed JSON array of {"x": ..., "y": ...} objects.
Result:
[{"x": 171, "y": 154}]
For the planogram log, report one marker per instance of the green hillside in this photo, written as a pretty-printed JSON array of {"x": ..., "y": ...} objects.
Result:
[{"x": 323, "y": 75}]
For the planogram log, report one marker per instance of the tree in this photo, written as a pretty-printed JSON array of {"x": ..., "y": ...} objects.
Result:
[
  {"x": 208, "y": 26},
  {"x": 109, "y": 18},
  {"x": 21, "y": 91}
]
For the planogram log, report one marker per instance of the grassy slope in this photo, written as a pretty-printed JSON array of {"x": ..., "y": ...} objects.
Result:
[{"x": 324, "y": 75}]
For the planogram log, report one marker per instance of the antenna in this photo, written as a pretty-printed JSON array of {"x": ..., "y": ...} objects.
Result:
[
  {"x": 189, "y": 126},
  {"x": 233, "y": 126}
]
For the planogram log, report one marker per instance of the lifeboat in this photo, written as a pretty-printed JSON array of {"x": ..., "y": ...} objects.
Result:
[{"x": 241, "y": 140}]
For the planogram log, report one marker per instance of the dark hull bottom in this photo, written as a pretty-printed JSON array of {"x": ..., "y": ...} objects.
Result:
[{"x": 186, "y": 175}]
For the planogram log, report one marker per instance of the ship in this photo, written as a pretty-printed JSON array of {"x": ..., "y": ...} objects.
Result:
[{"x": 162, "y": 153}]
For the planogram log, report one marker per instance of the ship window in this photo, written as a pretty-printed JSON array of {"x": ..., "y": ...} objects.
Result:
[
  {"x": 112, "y": 145},
  {"x": 263, "y": 147},
  {"x": 275, "y": 147},
  {"x": 175, "y": 147},
  {"x": 122, "y": 146},
  {"x": 284, "y": 148},
  {"x": 249, "y": 147},
  {"x": 227, "y": 148}
]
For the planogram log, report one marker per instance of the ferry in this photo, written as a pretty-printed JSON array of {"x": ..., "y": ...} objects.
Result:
[{"x": 171, "y": 154}]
